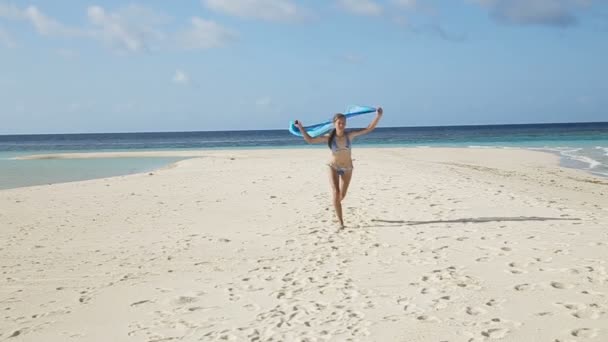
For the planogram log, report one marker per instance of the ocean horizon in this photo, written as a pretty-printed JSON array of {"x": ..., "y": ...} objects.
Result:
[
  {"x": 581, "y": 145},
  {"x": 504, "y": 125}
]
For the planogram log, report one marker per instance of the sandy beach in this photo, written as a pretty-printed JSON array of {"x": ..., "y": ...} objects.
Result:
[{"x": 243, "y": 245}]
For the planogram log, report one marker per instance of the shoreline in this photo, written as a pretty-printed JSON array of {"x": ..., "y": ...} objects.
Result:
[
  {"x": 474, "y": 245},
  {"x": 562, "y": 160}
]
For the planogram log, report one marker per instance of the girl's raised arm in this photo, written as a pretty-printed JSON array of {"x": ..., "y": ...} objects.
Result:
[
  {"x": 307, "y": 137},
  {"x": 371, "y": 126}
]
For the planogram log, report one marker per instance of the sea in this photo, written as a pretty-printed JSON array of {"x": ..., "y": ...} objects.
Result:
[{"x": 580, "y": 145}]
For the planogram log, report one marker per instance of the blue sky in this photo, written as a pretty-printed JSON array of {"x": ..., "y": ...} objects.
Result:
[{"x": 195, "y": 65}]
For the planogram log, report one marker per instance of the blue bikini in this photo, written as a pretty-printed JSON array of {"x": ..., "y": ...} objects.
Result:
[{"x": 334, "y": 148}]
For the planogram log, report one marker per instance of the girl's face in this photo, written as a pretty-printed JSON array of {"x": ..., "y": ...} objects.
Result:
[{"x": 340, "y": 124}]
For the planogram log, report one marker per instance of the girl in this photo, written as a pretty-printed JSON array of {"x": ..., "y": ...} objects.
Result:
[{"x": 341, "y": 164}]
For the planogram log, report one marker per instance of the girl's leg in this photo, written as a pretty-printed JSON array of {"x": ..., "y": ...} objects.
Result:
[
  {"x": 335, "y": 185},
  {"x": 345, "y": 183}
]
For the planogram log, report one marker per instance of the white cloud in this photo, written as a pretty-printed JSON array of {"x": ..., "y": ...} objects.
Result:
[
  {"x": 361, "y": 7},
  {"x": 180, "y": 77},
  {"x": 203, "y": 34},
  {"x": 128, "y": 29},
  {"x": 424, "y": 18},
  {"x": 44, "y": 24},
  {"x": 560, "y": 13},
  {"x": 131, "y": 29},
  {"x": 270, "y": 10},
  {"x": 48, "y": 26}
]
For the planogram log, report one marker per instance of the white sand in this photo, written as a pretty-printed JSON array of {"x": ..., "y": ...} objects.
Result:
[{"x": 440, "y": 245}]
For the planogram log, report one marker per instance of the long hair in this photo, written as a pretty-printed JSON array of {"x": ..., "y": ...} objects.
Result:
[{"x": 332, "y": 134}]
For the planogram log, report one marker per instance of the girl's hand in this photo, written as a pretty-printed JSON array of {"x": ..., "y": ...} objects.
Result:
[{"x": 379, "y": 111}]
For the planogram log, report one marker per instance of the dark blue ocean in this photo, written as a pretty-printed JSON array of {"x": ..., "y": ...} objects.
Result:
[{"x": 581, "y": 145}]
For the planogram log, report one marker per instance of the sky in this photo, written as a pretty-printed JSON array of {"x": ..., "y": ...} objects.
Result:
[{"x": 76, "y": 66}]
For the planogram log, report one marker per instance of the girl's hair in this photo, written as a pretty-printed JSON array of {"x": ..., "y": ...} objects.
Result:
[{"x": 332, "y": 134}]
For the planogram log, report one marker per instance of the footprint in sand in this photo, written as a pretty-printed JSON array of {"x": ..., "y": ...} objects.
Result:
[
  {"x": 181, "y": 300},
  {"x": 495, "y": 333},
  {"x": 587, "y": 314},
  {"x": 427, "y": 318},
  {"x": 441, "y": 302},
  {"x": 583, "y": 311},
  {"x": 523, "y": 287},
  {"x": 141, "y": 302},
  {"x": 252, "y": 307},
  {"x": 560, "y": 286},
  {"x": 544, "y": 260},
  {"x": 494, "y": 302},
  {"x": 84, "y": 299},
  {"x": 474, "y": 311},
  {"x": 584, "y": 333},
  {"x": 231, "y": 295},
  {"x": 17, "y": 333},
  {"x": 428, "y": 290},
  {"x": 518, "y": 265},
  {"x": 516, "y": 271}
]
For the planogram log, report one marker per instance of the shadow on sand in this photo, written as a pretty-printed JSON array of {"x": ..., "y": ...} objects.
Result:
[{"x": 477, "y": 220}]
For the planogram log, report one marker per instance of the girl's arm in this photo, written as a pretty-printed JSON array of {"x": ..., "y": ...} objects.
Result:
[
  {"x": 371, "y": 126},
  {"x": 307, "y": 137}
]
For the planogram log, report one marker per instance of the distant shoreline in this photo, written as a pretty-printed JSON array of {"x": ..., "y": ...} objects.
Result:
[{"x": 454, "y": 126}]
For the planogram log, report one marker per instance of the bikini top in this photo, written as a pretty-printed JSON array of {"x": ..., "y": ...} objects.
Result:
[{"x": 334, "y": 145}]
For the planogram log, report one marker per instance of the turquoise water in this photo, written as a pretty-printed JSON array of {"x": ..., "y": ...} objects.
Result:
[
  {"x": 19, "y": 173},
  {"x": 580, "y": 145}
]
